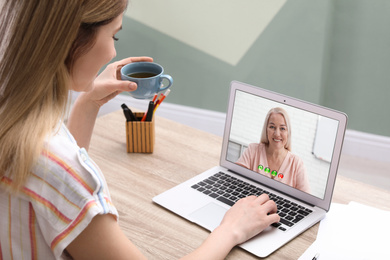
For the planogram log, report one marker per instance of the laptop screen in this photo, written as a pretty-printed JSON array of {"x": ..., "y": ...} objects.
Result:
[{"x": 283, "y": 141}]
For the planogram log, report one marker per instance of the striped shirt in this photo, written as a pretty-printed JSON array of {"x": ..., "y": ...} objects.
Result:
[{"x": 64, "y": 192}]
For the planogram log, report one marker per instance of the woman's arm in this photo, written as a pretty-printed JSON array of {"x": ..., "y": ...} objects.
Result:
[
  {"x": 86, "y": 107},
  {"x": 103, "y": 238},
  {"x": 247, "y": 218},
  {"x": 248, "y": 157}
]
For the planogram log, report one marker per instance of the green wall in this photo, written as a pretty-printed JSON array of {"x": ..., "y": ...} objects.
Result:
[
  {"x": 332, "y": 52},
  {"x": 357, "y": 77}
]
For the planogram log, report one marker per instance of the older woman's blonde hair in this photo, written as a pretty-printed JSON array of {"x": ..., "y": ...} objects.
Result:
[
  {"x": 277, "y": 110},
  {"x": 40, "y": 40}
]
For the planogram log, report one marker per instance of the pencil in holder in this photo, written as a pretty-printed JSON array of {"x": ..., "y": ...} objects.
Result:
[{"x": 140, "y": 135}]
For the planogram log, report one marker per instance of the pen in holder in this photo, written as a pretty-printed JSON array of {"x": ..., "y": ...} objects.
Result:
[{"x": 140, "y": 135}]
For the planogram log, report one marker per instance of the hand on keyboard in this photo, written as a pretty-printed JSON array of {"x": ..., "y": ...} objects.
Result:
[{"x": 249, "y": 216}]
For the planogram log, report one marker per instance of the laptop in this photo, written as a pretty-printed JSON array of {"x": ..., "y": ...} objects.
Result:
[{"x": 317, "y": 135}]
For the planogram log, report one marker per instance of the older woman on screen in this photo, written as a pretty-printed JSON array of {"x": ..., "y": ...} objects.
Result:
[{"x": 272, "y": 157}]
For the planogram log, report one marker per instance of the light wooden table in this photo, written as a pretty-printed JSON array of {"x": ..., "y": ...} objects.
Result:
[{"x": 180, "y": 153}]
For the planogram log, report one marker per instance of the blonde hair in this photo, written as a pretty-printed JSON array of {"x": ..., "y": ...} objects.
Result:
[
  {"x": 40, "y": 41},
  {"x": 277, "y": 110}
]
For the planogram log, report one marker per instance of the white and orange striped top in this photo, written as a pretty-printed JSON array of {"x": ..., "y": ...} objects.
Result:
[{"x": 65, "y": 191}]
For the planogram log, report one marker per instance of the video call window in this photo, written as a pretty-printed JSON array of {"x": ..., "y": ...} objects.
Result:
[{"x": 312, "y": 137}]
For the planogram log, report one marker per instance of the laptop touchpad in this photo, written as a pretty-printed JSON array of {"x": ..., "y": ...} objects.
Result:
[{"x": 209, "y": 216}]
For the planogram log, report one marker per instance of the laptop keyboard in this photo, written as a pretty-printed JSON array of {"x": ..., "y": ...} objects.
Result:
[{"x": 228, "y": 189}]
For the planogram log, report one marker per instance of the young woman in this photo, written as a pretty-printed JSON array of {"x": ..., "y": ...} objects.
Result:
[{"x": 54, "y": 201}]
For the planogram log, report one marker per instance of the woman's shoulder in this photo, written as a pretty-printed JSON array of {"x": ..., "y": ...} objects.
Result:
[
  {"x": 253, "y": 148},
  {"x": 61, "y": 144},
  {"x": 63, "y": 161},
  {"x": 68, "y": 170},
  {"x": 61, "y": 138}
]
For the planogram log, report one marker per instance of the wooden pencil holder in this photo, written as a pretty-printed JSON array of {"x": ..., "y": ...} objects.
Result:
[{"x": 140, "y": 136}]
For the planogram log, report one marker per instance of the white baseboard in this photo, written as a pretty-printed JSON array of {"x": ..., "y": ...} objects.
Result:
[
  {"x": 202, "y": 119},
  {"x": 359, "y": 144},
  {"x": 365, "y": 145}
]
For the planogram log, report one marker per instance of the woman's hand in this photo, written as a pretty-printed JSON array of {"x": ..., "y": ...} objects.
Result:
[
  {"x": 109, "y": 84},
  {"x": 106, "y": 86},
  {"x": 249, "y": 216}
]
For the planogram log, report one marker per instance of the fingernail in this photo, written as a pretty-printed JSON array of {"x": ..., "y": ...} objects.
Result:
[{"x": 132, "y": 86}]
